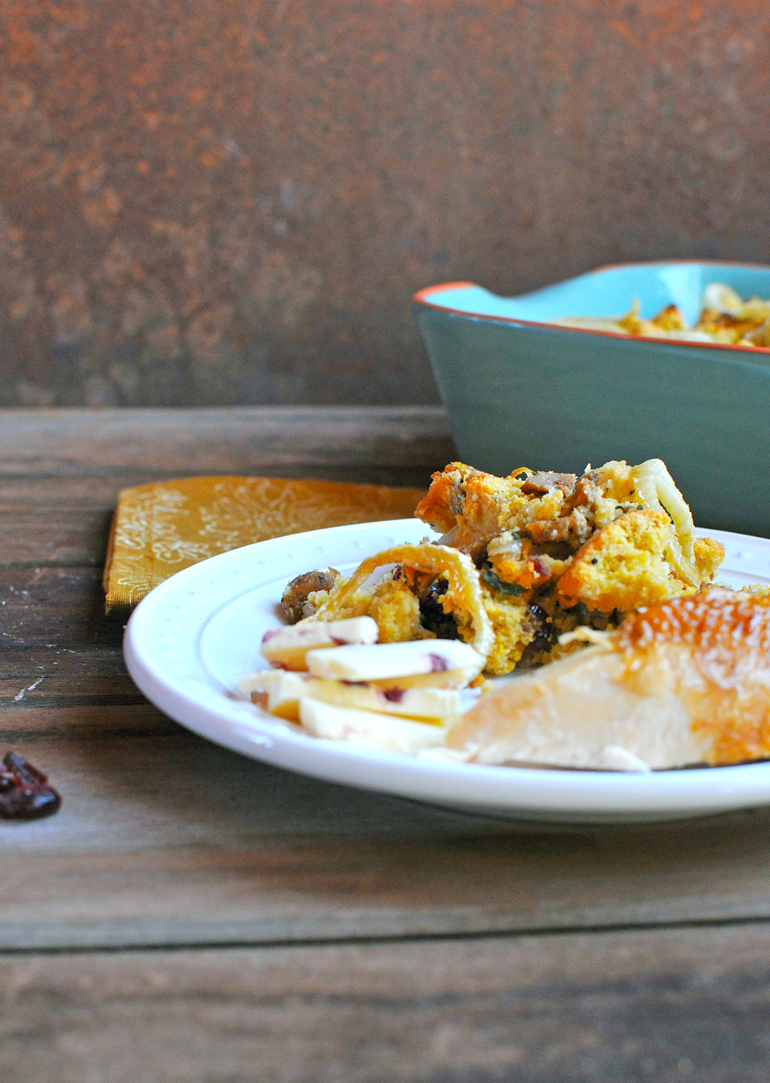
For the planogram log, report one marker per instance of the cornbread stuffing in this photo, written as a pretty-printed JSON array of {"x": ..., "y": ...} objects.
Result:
[{"x": 524, "y": 559}]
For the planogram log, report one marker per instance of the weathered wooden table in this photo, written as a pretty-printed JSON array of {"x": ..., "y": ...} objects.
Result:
[{"x": 193, "y": 916}]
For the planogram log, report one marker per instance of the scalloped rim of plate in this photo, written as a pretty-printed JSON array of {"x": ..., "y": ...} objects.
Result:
[{"x": 162, "y": 652}]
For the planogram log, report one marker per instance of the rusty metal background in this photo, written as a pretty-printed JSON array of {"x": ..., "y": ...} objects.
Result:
[{"x": 220, "y": 201}]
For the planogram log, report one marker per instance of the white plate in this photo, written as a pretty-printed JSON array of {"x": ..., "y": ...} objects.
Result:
[{"x": 190, "y": 639}]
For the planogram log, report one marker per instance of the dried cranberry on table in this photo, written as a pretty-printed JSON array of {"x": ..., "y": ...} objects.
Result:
[{"x": 24, "y": 790}]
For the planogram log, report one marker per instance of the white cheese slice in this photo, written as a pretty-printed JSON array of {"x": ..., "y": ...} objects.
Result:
[
  {"x": 276, "y": 691},
  {"x": 287, "y": 647},
  {"x": 449, "y": 678},
  {"x": 280, "y": 692},
  {"x": 435, "y": 705},
  {"x": 368, "y": 728},
  {"x": 385, "y": 660}
]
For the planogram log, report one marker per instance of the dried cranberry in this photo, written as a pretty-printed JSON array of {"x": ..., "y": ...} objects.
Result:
[
  {"x": 544, "y": 635},
  {"x": 432, "y": 615},
  {"x": 438, "y": 664},
  {"x": 24, "y": 791}
]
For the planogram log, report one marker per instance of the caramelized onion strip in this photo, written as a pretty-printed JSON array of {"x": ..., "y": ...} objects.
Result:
[
  {"x": 655, "y": 488},
  {"x": 464, "y": 590}
]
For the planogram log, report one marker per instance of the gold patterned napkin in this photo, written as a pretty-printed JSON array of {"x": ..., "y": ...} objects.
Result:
[{"x": 159, "y": 529}]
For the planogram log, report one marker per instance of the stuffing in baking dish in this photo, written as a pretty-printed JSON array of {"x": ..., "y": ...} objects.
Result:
[{"x": 725, "y": 318}]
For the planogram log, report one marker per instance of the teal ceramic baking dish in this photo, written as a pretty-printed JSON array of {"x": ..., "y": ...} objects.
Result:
[{"x": 521, "y": 391}]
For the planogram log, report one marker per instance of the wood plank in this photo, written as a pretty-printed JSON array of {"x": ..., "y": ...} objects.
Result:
[
  {"x": 61, "y": 470},
  {"x": 55, "y": 676},
  {"x": 653, "y": 1005},
  {"x": 384, "y": 445},
  {"x": 61, "y": 607},
  {"x": 60, "y": 536},
  {"x": 167, "y": 839},
  {"x": 49, "y": 492}
]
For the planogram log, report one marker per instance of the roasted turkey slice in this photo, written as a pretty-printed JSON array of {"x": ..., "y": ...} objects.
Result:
[{"x": 684, "y": 682}]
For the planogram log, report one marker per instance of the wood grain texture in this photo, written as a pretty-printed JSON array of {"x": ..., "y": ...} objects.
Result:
[
  {"x": 62, "y": 537},
  {"x": 662, "y": 1006},
  {"x": 56, "y": 676},
  {"x": 60, "y": 471},
  {"x": 276, "y": 891},
  {"x": 380, "y": 445},
  {"x": 167, "y": 839}
]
